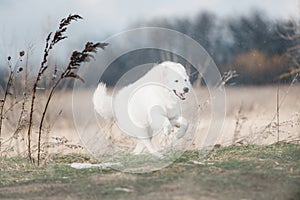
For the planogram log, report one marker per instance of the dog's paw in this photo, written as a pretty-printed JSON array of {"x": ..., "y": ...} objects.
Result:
[
  {"x": 136, "y": 152},
  {"x": 157, "y": 154},
  {"x": 182, "y": 127},
  {"x": 180, "y": 133}
]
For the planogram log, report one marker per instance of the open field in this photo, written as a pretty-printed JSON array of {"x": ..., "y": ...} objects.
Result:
[
  {"x": 250, "y": 119},
  {"x": 233, "y": 172},
  {"x": 247, "y": 163},
  {"x": 243, "y": 137}
]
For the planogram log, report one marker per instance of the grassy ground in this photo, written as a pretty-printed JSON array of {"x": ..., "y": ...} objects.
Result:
[{"x": 234, "y": 172}]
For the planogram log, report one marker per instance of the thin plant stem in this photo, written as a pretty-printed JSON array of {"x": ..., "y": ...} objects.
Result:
[
  {"x": 6, "y": 93},
  {"x": 43, "y": 117},
  {"x": 76, "y": 60},
  {"x": 277, "y": 112},
  {"x": 58, "y": 36}
]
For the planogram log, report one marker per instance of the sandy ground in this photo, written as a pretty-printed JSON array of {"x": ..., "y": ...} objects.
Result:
[{"x": 250, "y": 118}]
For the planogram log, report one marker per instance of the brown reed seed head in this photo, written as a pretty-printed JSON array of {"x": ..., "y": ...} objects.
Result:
[
  {"x": 58, "y": 36},
  {"x": 78, "y": 58},
  {"x": 22, "y": 53},
  {"x": 66, "y": 21},
  {"x": 20, "y": 69}
]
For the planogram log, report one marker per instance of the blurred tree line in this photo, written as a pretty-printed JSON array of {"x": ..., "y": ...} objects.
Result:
[{"x": 252, "y": 45}]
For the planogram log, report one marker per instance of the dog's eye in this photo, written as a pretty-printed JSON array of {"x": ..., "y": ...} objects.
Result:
[
  {"x": 185, "y": 80},
  {"x": 176, "y": 81}
]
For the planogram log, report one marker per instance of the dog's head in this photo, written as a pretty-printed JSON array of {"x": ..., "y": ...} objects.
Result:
[{"x": 176, "y": 79}]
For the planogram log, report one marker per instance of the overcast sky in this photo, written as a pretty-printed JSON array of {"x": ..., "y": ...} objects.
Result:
[{"x": 28, "y": 21}]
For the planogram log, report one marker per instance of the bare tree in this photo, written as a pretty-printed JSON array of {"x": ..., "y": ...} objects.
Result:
[{"x": 291, "y": 32}]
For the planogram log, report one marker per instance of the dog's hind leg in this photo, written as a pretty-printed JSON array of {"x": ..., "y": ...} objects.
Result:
[
  {"x": 147, "y": 142},
  {"x": 140, "y": 146},
  {"x": 142, "y": 143}
]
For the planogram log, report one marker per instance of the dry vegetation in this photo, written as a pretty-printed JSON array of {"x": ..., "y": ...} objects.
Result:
[
  {"x": 29, "y": 92},
  {"x": 250, "y": 119},
  {"x": 234, "y": 172},
  {"x": 37, "y": 124}
]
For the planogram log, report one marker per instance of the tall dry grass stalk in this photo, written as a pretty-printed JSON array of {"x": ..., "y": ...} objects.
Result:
[
  {"x": 9, "y": 84},
  {"x": 77, "y": 58},
  {"x": 273, "y": 126},
  {"x": 240, "y": 119},
  {"x": 21, "y": 122},
  {"x": 277, "y": 113},
  {"x": 58, "y": 36}
]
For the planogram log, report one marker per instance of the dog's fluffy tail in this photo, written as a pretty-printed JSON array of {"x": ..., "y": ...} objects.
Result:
[{"x": 103, "y": 102}]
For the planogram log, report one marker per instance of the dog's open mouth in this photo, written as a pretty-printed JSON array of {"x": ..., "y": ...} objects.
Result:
[{"x": 179, "y": 94}]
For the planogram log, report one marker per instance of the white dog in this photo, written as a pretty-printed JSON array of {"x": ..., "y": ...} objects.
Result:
[{"x": 148, "y": 105}]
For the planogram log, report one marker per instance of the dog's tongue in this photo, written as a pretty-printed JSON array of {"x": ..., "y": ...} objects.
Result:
[{"x": 182, "y": 95}]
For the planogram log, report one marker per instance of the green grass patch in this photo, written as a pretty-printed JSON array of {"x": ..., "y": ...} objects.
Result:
[{"x": 233, "y": 172}]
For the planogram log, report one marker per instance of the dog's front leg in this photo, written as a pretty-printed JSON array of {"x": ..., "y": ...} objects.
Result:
[
  {"x": 182, "y": 125},
  {"x": 167, "y": 126},
  {"x": 159, "y": 121}
]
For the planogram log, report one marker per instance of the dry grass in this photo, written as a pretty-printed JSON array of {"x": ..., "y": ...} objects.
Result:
[
  {"x": 249, "y": 112},
  {"x": 255, "y": 116},
  {"x": 233, "y": 172},
  {"x": 28, "y": 95}
]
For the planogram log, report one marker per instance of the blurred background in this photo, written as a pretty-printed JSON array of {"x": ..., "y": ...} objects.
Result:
[
  {"x": 246, "y": 36},
  {"x": 258, "y": 40}
]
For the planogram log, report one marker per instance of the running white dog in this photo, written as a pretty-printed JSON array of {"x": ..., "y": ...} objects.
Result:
[{"x": 148, "y": 105}]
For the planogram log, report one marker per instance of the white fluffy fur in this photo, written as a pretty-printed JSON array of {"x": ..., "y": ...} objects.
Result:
[
  {"x": 150, "y": 104},
  {"x": 103, "y": 102}
]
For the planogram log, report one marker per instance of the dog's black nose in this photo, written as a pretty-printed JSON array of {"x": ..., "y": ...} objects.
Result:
[{"x": 186, "y": 90}]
